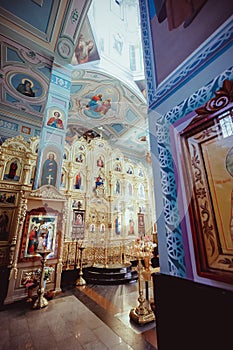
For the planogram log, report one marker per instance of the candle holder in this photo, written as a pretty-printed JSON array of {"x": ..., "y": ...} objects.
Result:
[
  {"x": 141, "y": 314},
  {"x": 41, "y": 301},
  {"x": 81, "y": 281}
]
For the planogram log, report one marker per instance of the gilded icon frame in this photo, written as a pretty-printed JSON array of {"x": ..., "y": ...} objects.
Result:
[{"x": 203, "y": 156}]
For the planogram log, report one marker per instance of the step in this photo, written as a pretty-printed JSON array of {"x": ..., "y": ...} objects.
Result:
[
  {"x": 111, "y": 281},
  {"x": 109, "y": 275}
]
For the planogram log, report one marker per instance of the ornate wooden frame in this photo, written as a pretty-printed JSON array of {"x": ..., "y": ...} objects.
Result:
[
  {"x": 207, "y": 180},
  {"x": 40, "y": 215},
  {"x": 78, "y": 228}
]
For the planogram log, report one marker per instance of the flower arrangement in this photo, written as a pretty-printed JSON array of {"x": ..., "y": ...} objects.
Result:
[
  {"x": 48, "y": 271},
  {"x": 31, "y": 282},
  {"x": 143, "y": 244},
  {"x": 31, "y": 279}
]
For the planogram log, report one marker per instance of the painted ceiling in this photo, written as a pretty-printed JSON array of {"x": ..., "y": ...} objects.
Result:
[
  {"x": 54, "y": 31},
  {"x": 120, "y": 117}
]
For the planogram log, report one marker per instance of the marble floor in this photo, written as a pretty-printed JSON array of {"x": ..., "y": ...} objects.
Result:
[{"x": 94, "y": 317}]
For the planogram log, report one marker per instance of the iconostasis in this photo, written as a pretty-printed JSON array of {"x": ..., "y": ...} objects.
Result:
[{"x": 103, "y": 197}]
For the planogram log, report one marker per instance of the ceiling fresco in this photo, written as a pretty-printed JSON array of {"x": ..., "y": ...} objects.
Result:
[
  {"x": 120, "y": 113},
  {"x": 106, "y": 104},
  {"x": 32, "y": 16},
  {"x": 22, "y": 67},
  {"x": 52, "y": 25},
  {"x": 86, "y": 49}
]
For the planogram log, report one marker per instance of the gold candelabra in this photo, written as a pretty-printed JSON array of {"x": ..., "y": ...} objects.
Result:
[
  {"x": 81, "y": 281},
  {"x": 41, "y": 301},
  {"x": 141, "y": 314}
]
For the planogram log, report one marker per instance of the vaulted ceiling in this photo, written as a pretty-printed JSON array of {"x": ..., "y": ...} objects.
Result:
[{"x": 37, "y": 34}]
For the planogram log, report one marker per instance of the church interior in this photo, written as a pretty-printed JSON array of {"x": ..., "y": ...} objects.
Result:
[{"x": 116, "y": 174}]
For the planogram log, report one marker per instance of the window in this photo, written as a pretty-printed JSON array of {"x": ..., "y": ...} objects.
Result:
[{"x": 132, "y": 57}]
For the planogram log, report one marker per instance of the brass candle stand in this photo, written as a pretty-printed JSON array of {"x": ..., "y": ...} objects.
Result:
[
  {"x": 41, "y": 301},
  {"x": 141, "y": 314},
  {"x": 81, "y": 281}
]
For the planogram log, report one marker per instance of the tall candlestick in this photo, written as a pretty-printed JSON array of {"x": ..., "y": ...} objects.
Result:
[
  {"x": 41, "y": 301},
  {"x": 81, "y": 281}
]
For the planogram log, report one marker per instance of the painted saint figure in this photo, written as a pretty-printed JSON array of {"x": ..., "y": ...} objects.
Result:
[
  {"x": 104, "y": 107},
  {"x": 117, "y": 226},
  {"x": 131, "y": 226},
  {"x": 78, "y": 180},
  {"x": 12, "y": 170},
  {"x": 140, "y": 173},
  {"x": 117, "y": 187},
  {"x": 55, "y": 121},
  {"x": 94, "y": 102},
  {"x": 42, "y": 241},
  {"x": 49, "y": 171},
  {"x": 79, "y": 158},
  {"x": 79, "y": 219},
  {"x": 99, "y": 181},
  {"x": 100, "y": 162},
  {"x": 33, "y": 242},
  {"x": 83, "y": 49},
  {"x": 25, "y": 88},
  {"x": 117, "y": 167},
  {"x": 129, "y": 171}
]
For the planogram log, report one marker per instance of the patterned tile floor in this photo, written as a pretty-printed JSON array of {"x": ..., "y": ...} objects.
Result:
[{"x": 94, "y": 317}]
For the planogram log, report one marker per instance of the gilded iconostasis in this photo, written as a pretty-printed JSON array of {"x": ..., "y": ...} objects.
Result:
[
  {"x": 101, "y": 197},
  {"x": 75, "y": 160},
  {"x": 76, "y": 152}
]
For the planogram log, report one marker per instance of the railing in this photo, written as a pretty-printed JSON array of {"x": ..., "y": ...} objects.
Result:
[{"x": 114, "y": 253}]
